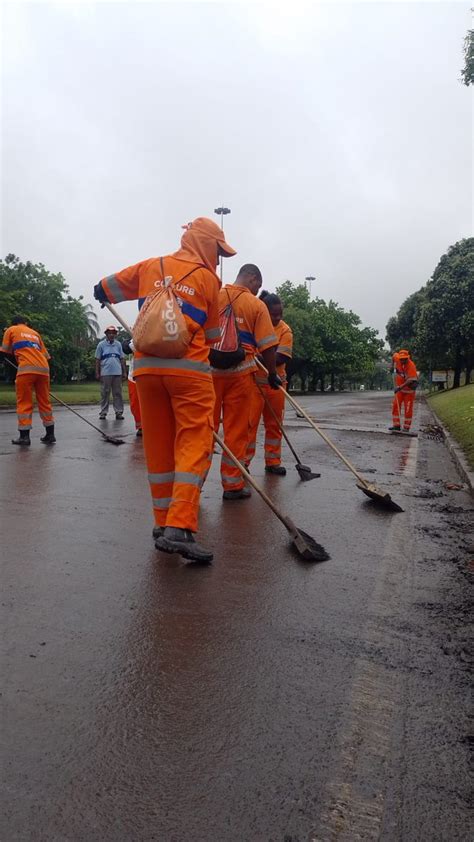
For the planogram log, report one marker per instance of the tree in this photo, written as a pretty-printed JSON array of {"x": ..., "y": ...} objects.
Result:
[
  {"x": 467, "y": 72},
  {"x": 437, "y": 323},
  {"x": 329, "y": 343},
  {"x": 401, "y": 329},
  {"x": 64, "y": 322},
  {"x": 445, "y": 325}
]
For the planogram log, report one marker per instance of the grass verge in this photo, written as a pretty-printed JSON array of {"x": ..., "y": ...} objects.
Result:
[
  {"x": 456, "y": 410},
  {"x": 72, "y": 393}
]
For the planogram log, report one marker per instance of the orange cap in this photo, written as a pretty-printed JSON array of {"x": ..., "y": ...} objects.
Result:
[{"x": 403, "y": 355}]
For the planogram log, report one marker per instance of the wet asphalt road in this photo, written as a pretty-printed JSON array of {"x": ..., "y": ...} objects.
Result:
[{"x": 258, "y": 699}]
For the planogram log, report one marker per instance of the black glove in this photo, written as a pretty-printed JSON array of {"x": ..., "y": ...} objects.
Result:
[
  {"x": 397, "y": 389},
  {"x": 274, "y": 381},
  {"x": 126, "y": 346},
  {"x": 99, "y": 293}
]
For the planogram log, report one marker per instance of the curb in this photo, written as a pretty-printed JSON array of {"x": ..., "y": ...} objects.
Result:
[{"x": 458, "y": 455}]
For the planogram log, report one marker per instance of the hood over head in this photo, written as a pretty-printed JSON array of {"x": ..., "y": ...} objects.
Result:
[{"x": 200, "y": 242}]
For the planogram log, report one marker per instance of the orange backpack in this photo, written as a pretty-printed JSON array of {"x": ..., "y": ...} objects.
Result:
[{"x": 160, "y": 329}]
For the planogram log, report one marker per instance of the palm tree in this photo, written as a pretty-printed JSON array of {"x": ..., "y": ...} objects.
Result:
[{"x": 93, "y": 327}]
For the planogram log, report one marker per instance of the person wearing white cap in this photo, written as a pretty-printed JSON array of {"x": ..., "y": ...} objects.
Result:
[{"x": 110, "y": 370}]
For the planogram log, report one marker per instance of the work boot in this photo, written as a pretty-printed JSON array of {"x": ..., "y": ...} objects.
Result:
[
  {"x": 158, "y": 532},
  {"x": 182, "y": 541},
  {"x": 49, "y": 438},
  {"x": 23, "y": 439},
  {"x": 396, "y": 428},
  {"x": 279, "y": 470},
  {"x": 239, "y": 494},
  {"x": 139, "y": 433},
  {"x": 119, "y": 416},
  {"x": 102, "y": 416}
]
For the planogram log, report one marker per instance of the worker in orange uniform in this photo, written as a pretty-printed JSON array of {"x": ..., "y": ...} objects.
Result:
[
  {"x": 264, "y": 397},
  {"x": 406, "y": 381},
  {"x": 127, "y": 348},
  {"x": 234, "y": 386},
  {"x": 176, "y": 395},
  {"x": 32, "y": 358}
]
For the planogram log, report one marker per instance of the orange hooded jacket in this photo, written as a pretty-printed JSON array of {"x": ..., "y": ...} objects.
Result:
[{"x": 197, "y": 286}]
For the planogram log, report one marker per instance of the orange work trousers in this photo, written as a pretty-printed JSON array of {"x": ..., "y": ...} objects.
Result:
[
  {"x": 273, "y": 434},
  {"x": 134, "y": 403},
  {"x": 405, "y": 400},
  {"x": 25, "y": 385},
  {"x": 176, "y": 415},
  {"x": 233, "y": 400}
]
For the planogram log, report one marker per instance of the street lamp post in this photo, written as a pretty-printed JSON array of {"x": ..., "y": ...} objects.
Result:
[
  {"x": 222, "y": 211},
  {"x": 309, "y": 280}
]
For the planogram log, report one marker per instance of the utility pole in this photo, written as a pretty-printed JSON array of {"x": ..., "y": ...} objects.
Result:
[
  {"x": 222, "y": 211},
  {"x": 309, "y": 280}
]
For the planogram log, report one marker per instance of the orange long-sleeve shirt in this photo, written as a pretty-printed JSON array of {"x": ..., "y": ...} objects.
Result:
[
  {"x": 197, "y": 291},
  {"x": 28, "y": 348}
]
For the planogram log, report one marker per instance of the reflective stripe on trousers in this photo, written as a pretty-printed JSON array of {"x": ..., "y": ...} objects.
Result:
[
  {"x": 25, "y": 385},
  {"x": 406, "y": 401},
  {"x": 176, "y": 416},
  {"x": 273, "y": 433}
]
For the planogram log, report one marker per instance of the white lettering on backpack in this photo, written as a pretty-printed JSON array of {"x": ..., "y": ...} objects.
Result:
[
  {"x": 179, "y": 287},
  {"x": 169, "y": 317}
]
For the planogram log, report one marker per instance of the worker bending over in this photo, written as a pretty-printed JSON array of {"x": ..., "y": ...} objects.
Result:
[
  {"x": 30, "y": 353},
  {"x": 176, "y": 395},
  {"x": 234, "y": 386},
  {"x": 265, "y": 399},
  {"x": 406, "y": 382}
]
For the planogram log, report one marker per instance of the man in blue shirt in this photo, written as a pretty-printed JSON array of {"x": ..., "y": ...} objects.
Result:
[{"x": 110, "y": 370}]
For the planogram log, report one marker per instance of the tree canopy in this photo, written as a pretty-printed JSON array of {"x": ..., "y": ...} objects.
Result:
[
  {"x": 68, "y": 327},
  {"x": 437, "y": 323},
  {"x": 329, "y": 343}
]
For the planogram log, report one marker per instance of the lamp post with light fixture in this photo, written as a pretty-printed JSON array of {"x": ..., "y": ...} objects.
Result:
[
  {"x": 309, "y": 280},
  {"x": 222, "y": 211}
]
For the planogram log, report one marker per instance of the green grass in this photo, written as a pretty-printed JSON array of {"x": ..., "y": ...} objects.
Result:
[
  {"x": 456, "y": 410},
  {"x": 73, "y": 393}
]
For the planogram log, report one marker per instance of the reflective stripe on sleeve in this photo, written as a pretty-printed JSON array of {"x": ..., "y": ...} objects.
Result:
[
  {"x": 271, "y": 338},
  {"x": 114, "y": 289},
  {"x": 285, "y": 350}
]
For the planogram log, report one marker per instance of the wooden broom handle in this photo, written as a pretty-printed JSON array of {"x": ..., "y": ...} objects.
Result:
[{"x": 320, "y": 432}]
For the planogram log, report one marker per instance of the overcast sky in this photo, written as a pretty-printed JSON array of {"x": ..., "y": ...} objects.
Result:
[{"x": 338, "y": 134}]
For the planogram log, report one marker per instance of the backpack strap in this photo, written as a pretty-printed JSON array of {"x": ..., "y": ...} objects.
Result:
[{"x": 178, "y": 281}]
